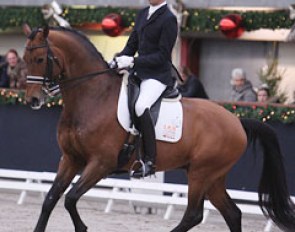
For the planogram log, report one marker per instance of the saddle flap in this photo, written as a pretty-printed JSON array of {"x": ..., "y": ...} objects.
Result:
[
  {"x": 169, "y": 124},
  {"x": 133, "y": 94}
]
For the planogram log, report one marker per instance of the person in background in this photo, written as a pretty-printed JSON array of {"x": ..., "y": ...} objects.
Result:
[
  {"x": 4, "y": 79},
  {"x": 192, "y": 86},
  {"x": 263, "y": 94},
  {"x": 242, "y": 89},
  {"x": 16, "y": 70}
]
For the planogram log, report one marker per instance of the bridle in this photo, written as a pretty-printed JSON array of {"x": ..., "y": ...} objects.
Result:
[{"x": 50, "y": 84}]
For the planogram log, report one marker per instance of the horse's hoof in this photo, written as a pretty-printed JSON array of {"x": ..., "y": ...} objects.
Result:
[{"x": 82, "y": 229}]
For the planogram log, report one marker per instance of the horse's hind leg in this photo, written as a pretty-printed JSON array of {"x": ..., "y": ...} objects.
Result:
[
  {"x": 66, "y": 172},
  {"x": 221, "y": 200},
  {"x": 194, "y": 211},
  {"x": 91, "y": 174}
]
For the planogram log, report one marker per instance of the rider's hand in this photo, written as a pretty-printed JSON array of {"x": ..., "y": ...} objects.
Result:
[
  {"x": 113, "y": 63},
  {"x": 125, "y": 61}
]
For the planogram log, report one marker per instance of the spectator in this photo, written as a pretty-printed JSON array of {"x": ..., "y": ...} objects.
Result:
[
  {"x": 242, "y": 89},
  {"x": 16, "y": 70},
  {"x": 4, "y": 79},
  {"x": 263, "y": 94},
  {"x": 192, "y": 86}
]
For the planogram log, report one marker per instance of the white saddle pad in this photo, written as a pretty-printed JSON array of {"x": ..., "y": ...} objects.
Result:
[{"x": 169, "y": 124}]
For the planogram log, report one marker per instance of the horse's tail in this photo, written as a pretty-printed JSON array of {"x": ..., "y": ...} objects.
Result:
[{"x": 274, "y": 197}]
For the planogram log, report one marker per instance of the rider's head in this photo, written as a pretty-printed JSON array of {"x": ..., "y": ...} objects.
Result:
[{"x": 156, "y": 2}]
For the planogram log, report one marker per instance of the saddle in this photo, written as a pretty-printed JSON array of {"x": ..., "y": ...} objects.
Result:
[
  {"x": 133, "y": 143},
  {"x": 133, "y": 93}
]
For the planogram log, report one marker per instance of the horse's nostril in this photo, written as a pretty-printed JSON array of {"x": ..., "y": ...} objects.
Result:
[{"x": 36, "y": 103}]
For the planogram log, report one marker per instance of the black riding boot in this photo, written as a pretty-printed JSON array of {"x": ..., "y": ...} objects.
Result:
[{"x": 149, "y": 145}]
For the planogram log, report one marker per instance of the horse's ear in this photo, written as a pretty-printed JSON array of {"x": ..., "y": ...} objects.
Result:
[
  {"x": 27, "y": 29},
  {"x": 45, "y": 31}
]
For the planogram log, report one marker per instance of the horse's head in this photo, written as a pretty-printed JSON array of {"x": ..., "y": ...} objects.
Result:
[{"x": 42, "y": 65}]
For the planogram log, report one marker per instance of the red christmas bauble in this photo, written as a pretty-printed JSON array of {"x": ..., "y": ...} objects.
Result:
[
  {"x": 112, "y": 24},
  {"x": 231, "y": 26}
]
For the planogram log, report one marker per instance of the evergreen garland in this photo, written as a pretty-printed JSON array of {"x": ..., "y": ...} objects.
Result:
[
  {"x": 204, "y": 20},
  {"x": 199, "y": 20},
  {"x": 284, "y": 114}
]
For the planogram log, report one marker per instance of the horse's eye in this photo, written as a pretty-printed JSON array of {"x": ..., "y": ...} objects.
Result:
[{"x": 39, "y": 60}]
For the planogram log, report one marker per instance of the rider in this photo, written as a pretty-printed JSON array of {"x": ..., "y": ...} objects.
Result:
[{"x": 153, "y": 38}]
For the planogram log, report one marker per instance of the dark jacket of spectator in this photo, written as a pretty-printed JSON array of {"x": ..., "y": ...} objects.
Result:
[
  {"x": 193, "y": 87},
  {"x": 4, "y": 78}
]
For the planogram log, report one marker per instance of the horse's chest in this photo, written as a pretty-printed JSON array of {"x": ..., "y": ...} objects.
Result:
[{"x": 71, "y": 139}]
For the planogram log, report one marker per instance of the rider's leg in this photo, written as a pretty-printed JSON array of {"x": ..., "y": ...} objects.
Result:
[{"x": 150, "y": 91}]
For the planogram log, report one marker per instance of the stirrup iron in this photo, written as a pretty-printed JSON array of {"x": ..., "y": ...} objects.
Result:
[{"x": 141, "y": 166}]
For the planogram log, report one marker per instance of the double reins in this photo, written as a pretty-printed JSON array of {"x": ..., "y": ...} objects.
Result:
[
  {"x": 86, "y": 77},
  {"x": 50, "y": 85}
]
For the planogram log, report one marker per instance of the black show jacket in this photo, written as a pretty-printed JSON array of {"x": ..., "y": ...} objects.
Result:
[{"x": 154, "y": 40}]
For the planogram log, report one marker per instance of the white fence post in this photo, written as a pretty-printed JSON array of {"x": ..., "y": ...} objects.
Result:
[{"x": 23, "y": 194}]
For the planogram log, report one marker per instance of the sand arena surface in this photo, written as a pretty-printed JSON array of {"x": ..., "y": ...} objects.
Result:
[{"x": 22, "y": 218}]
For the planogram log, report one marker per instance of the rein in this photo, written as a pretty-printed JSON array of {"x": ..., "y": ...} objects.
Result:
[
  {"x": 86, "y": 77},
  {"x": 50, "y": 85}
]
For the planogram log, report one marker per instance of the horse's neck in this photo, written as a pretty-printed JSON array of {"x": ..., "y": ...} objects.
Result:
[
  {"x": 86, "y": 95},
  {"x": 93, "y": 96}
]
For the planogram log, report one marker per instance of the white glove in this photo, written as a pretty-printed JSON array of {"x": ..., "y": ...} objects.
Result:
[
  {"x": 112, "y": 63},
  {"x": 125, "y": 61}
]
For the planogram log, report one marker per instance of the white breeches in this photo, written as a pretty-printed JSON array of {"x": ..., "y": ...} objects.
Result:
[{"x": 150, "y": 91}]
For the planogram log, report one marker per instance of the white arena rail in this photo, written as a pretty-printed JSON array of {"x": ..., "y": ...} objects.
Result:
[{"x": 113, "y": 189}]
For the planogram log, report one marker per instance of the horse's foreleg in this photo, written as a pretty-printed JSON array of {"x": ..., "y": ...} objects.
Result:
[
  {"x": 221, "y": 200},
  {"x": 65, "y": 174},
  {"x": 194, "y": 211},
  {"x": 192, "y": 217},
  {"x": 91, "y": 174}
]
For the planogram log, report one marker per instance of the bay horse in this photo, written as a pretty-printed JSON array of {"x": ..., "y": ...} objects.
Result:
[{"x": 90, "y": 136}]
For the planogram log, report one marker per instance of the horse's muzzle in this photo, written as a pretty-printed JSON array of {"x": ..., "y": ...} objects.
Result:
[{"x": 36, "y": 103}]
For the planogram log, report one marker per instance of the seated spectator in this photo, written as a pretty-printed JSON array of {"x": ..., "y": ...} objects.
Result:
[
  {"x": 242, "y": 89},
  {"x": 4, "y": 79},
  {"x": 192, "y": 86},
  {"x": 16, "y": 70},
  {"x": 263, "y": 94}
]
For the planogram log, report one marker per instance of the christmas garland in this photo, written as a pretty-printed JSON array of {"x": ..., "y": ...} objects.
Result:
[
  {"x": 284, "y": 114},
  {"x": 198, "y": 20},
  {"x": 201, "y": 20},
  {"x": 17, "y": 97},
  {"x": 263, "y": 113}
]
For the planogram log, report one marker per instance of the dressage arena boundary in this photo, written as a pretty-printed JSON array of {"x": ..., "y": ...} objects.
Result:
[{"x": 111, "y": 189}]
